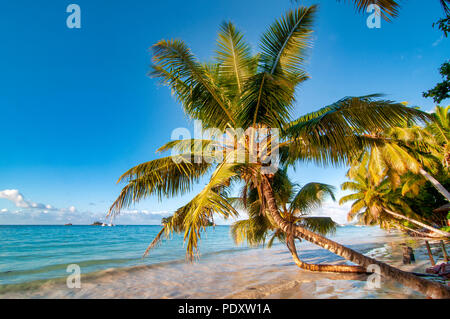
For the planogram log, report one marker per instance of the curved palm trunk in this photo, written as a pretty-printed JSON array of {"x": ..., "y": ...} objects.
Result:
[
  {"x": 441, "y": 189},
  {"x": 429, "y": 288},
  {"x": 434, "y": 230},
  {"x": 322, "y": 267}
]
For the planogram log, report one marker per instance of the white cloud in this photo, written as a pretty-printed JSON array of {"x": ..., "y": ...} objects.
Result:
[
  {"x": 14, "y": 196},
  {"x": 29, "y": 212}
]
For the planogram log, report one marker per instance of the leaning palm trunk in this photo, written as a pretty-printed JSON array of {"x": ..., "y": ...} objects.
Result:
[
  {"x": 441, "y": 189},
  {"x": 419, "y": 233},
  {"x": 429, "y": 288},
  {"x": 321, "y": 267},
  {"x": 432, "y": 229}
]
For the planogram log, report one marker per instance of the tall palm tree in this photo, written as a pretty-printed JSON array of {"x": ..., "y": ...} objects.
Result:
[
  {"x": 379, "y": 204},
  {"x": 239, "y": 90},
  {"x": 295, "y": 205}
]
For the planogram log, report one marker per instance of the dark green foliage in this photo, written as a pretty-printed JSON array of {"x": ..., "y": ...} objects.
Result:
[
  {"x": 427, "y": 200},
  {"x": 442, "y": 90}
]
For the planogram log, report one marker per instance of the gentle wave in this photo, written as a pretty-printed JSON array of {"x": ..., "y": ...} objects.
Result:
[
  {"x": 117, "y": 254},
  {"x": 36, "y": 284}
]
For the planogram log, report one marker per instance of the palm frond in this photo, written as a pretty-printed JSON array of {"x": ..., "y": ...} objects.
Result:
[
  {"x": 389, "y": 8},
  {"x": 277, "y": 234},
  {"x": 284, "y": 44},
  {"x": 154, "y": 242},
  {"x": 235, "y": 59},
  {"x": 210, "y": 150},
  {"x": 204, "y": 205},
  {"x": 165, "y": 177},
  {"x": 253, "y": 230},
  {"x": 350, "y": 198},
  {"x": 268, "y": 96},
  {"x": 321, "y": 225},
  {"x": 440, "y": 127},
  {"x": 311, "y": 196},
  {"x": 445, "y": 6},
  {"x": 324, "y": 150},
  {"x": 348, "y": 125},
  {"x": 361, "y": 115},
  {"x": 194, "y": 83}
]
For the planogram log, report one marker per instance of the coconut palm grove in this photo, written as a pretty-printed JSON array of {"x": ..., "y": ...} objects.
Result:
[{"x": 393, "y": 150}]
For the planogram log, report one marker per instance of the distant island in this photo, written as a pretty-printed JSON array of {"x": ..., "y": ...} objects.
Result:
[
  {"x": 97, "y": 224},
  {"x": 69, "y": 224}
]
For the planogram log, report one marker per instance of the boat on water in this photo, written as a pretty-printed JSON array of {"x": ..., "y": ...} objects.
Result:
[{"x": 109, "y": 225}]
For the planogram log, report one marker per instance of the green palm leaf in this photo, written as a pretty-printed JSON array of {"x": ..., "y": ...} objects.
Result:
[
  {"x": 194, "y": 84},
  {"x": 285, "y": 42},
  {"x": 321, "y": 225},
  {"x": 338, "y": 132},
  {"x": 311, "y": 196},
  {"x": 235, "y": 59},
  {"x": 268, "y": 96},
  {"x": 389, "y": 8},
  {"x": 165, "y": 177}
]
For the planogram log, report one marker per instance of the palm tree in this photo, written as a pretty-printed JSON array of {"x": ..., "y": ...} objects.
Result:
[
  {"x": 440, "y": 130},
  {"x": 421, "y": 152},
  {"x": 253, "y": 93},
  {"x": 295, "y": 204},
  {"x": 410, "y": 149},
  {"x": 376, "y": 204}
]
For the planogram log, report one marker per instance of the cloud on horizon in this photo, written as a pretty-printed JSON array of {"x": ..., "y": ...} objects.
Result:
[
  {"x": 14, "y": 196},
  {"x": 33, "y": 213}
]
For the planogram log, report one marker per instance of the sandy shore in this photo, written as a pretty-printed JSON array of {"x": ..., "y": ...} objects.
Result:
[{"x": 256, "y": 273}]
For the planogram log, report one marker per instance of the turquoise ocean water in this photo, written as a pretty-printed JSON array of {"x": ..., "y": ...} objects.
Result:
[{"x": 30, "y": 253}]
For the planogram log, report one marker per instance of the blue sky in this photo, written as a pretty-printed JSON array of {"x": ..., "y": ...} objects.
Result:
[{"x": 77, "y": 109}]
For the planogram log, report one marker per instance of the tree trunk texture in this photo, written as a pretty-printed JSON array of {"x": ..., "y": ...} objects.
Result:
[
  {"x": 322, "y": 267},
  {"x": 429, "y": 288},
  {"x": 441, "y": 189},
  {"x": 434, "y": 230},
  {"x": 419, "y": 234}
]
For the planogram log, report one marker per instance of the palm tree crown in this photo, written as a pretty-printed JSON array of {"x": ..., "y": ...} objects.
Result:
[{"x": 241, "y": 90}]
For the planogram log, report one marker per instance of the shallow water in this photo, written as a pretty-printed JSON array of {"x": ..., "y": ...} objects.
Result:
[{"x": 33, "y": 261}]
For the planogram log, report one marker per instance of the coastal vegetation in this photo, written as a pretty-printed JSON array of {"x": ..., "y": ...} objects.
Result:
[
  {"x": 295, "y": 205},
  {"x": 398, "y": 184},
  {"x": 240, "y": 90}
]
